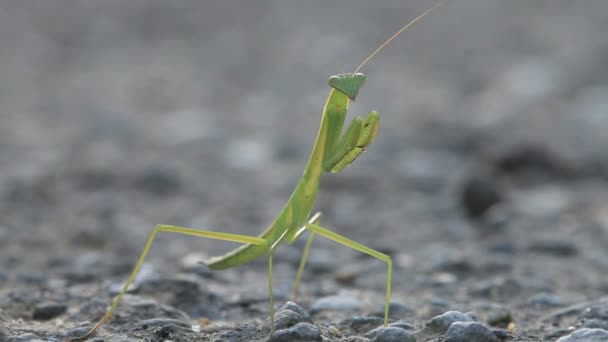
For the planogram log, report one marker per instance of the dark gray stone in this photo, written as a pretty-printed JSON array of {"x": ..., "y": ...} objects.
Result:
[
  {"x": 586, "y": 335},
  {"x": 440, "y": 324},
  {"x": 120, "y": 339},
  {"x": 161, "y": 322},
  {"x": 469, "y": 332},
  {"x": 361, "y": 324},
  {"x": 560, "y": 248},
  {"x": 286, "y": 319},
  {"x": 395, "y": 311},
  {"x": 393, "y": 334},
  {"x": 495, "y": 315},
  {"x": 497, "y": 288},
  {"x": 301, "y": 332},
  {"x": 27, "y": 337},
  {"x": 403, "y": 325},
  {"x": 4, "y": 332},
  {"x": 544, "y": 300},
  {"x": 46, "y": 311},
  {"x": 596, "y": 323},
  {"x": 229, "y": 336},
  {"x": 297, "y": 309},
  {"x": 478, "y": 195}
]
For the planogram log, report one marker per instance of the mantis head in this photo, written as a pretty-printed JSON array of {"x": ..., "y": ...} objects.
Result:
[{"x": 349, "y": 84}]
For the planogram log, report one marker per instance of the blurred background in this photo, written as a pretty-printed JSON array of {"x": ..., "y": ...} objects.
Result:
[{"x": 116, "y": 116}]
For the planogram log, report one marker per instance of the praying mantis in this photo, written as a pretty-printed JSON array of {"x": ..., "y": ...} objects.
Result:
[{"x": 332, "y": 152}]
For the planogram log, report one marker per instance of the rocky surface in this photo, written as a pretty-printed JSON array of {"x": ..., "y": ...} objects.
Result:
[{"x": 487, "y": 183}]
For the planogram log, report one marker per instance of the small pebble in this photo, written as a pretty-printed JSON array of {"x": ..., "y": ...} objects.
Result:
[
  {"x": 599, "y": 310},
  {"x": 440, "y": 324},
  {"x": 46, "y": 311},
  {"x": 304, "y": 332},
  {"x": 27, "y": 337},
  {"x": 161, "y": 322},
  {"x": 121, "y": 339},
  {"x": 497, "y": 288},
  {"x": 77, "y": 332},
  {"x": 495, "y": 315},
  {"x": 361, "y": 324},
  {"x": 286, "y": 319},
  {"x": 434, "y": 307},
  {"x": 544, "y": 300},
  {"x": 297, "y": 309},
  {"x": 393, "y": 334},
  {"x": 395, "y": 311},
  {"x": 229, "y": 336},
  {"x": 553, "y": 335},
  {"x": 4, "y": 332},
  {"x": 403, "y": 325},
  {"x": 586, "y": 335},
  {"x": 559, "y": 248},
  {"x": 469, "y": 332},
  {"x": 450, "y": 262},
  {"x": 596, "y": 323}
]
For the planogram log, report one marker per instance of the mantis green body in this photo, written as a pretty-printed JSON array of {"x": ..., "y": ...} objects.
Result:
[{"x": 332, "y": 152}]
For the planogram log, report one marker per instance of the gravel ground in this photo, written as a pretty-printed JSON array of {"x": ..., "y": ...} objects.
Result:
[{"x": 487, "y": 184}]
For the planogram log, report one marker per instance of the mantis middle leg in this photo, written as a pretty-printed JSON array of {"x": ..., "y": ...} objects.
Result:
[{"x": 314, "y": 228}]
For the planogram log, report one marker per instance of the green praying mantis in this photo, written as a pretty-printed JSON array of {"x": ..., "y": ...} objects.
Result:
[{"x": 332, "y": 152}]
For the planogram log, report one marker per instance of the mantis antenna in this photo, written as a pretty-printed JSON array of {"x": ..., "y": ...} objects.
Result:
[{"x": 405, "y": 27}]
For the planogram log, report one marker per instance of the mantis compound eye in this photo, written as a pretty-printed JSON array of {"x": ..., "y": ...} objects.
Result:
[{"x": 349, "y": 84}]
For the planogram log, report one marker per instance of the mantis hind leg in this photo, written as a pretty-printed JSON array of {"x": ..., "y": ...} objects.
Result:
[
  {"x": 142, "y": 257},
  {"x": 314, "y": 228}
]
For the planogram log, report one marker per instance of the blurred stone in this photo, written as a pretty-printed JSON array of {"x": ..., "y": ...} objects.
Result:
[
  {"x": 299, "y": 332},
  {"x": 495, "y": 314},
  {"x": 543, "y": 300},
  {"x": 534, "y": 163},
  {"x": 158, "y": 180},
  {"x": 586, "y": 335},
  {"x": 46, "y": 311},
  {"x": 469, "y": 332},
  {"x": 362, "y": 324},
  {"x": 439, "y": 325},
  {"x": 478, "y": 195},
  {"x": 559, "y": 248},
  {"x": 391, "y": 334}
]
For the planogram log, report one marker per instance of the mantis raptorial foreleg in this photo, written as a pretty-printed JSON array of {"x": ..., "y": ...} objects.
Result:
[
  {"x": 314, "y": 228},
  {"x": 359, "y": 135},
  {"x": 179, "y": 230}
]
